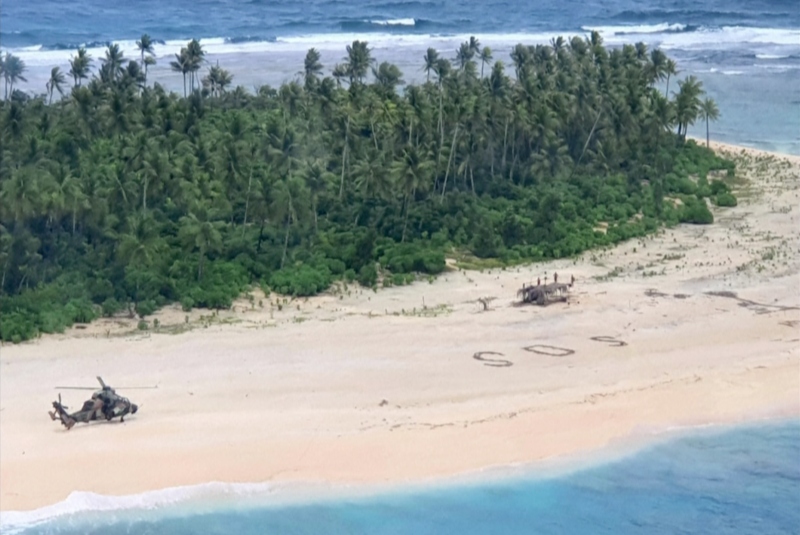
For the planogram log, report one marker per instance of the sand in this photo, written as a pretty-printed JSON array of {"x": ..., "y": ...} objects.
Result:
[{"x": 360, "y": 387}]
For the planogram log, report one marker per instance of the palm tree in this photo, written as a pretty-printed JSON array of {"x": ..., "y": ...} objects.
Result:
[
  {"x": 182, "y": 64},
  {"x": 12, "y": 68},
  {"x": 431, "y": 59},
  {"x": 146, "y": 46},
  {"x": 79, "y": 66},
  {"x": 708, "y": 112},
  {"x": 312, "y": 68},
  {"x": 464, "y": 55},
  {"x": 358, "y": 61},
  {"x": 387, "y": 77},
  {"x": 55, "y": 83},
  {"x": 149, "y": 61},
  {"x": 288, "y": 198},
  {"x": 141, "y": 245},
  {"x": 658, "y": 65},
  {"x": 139, "y": 248},
  {"x": 670, "y": 69},
  {"x": 486, "y": 57},
  {"x": 21, "y": 194},
  {"x": 195, "y": 55},
  {"x": 217, "y": 80},
  {"x": 687, "y": 103},
  {"x": 412, "y": 173},
  {"x": 317, "y": 180},
  {"x": 199, "y": 231},
  {"x": 474, "y": 46},
  {"x": 113, "y": 61}
]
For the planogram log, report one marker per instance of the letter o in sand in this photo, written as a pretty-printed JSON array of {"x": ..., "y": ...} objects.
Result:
[{"x": 550, "y": 351}]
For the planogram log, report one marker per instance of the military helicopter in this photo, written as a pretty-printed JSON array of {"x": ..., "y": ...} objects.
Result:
[{"x": 104, "y": 404}]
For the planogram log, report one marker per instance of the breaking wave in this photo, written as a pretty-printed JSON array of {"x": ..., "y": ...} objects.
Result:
[
  {"x": 196, "y": 498},
  {"x": 641, "y": 29}
]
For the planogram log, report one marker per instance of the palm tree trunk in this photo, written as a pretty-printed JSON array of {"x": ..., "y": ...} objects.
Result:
[
  {"x": 285, "y": 243},
  {"x": 3, "y": 279},
  {"x": 260, "y": 236},
  {"x": 472, "y": 179},
  {"x": 708, "y": 140},
  {"x": 441, "y": 118},
  {"x": 405, "y": 220},
  {"x": 200, "y": 264},
  {"x": 247, "y": 201},
  {"x": 374, "y": 137},
  {"x": 505, "y": 145},
  {"x": 449, "y": 159},
  {"x": 344, "y": 156}
]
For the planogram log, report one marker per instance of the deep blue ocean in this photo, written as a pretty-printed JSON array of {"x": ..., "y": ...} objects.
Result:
[
  {"x": 741, "y": 480},
  {"x": 747, "y": 52}
]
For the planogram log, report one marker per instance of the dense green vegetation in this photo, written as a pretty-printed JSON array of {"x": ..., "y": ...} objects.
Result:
[{"x": 123, "y": 197}]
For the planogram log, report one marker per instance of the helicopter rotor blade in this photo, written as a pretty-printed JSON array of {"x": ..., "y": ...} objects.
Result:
[{"x": 95, "y": 388}]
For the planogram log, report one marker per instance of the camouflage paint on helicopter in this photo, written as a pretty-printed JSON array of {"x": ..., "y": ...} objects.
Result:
[{"x": 104, "y": 404}]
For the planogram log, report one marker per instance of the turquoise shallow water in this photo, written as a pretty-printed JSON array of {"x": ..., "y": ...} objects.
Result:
[{"x": 743, "y": 480}]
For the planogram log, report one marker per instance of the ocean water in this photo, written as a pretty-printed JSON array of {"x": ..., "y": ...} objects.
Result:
[
  {"x": 741, "y": 480},
  {"x": 746, "y": 52}
]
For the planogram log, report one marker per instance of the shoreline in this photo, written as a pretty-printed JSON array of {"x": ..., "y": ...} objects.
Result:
[
  {"x": 214, "y": 496},
  {"x": 288, "y": 395}
]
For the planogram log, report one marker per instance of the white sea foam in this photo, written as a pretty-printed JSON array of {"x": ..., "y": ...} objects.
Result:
[
  {"x": 636, "y": 29},
  {"x": 771, "y": 56},
  {"x": 86, "y": 502},
  {"x": 666, "y": 35},
  {"x": 730, "y": 37},
  {"x": 394, "y": 22}
]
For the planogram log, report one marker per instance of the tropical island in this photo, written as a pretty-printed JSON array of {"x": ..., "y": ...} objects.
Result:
[
  {"x": 137, "y": 210},
  {"x": 119, "y": 196}
]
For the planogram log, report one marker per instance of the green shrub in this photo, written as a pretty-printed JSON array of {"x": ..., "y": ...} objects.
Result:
[
  {"x": 110, "y": 307},
  {"x": 696, "y": 211},
  {"x": 718, "y": 186},
  {"x": 429, "y": 261},
  {"x": 368, "y": 275},
  {"x": 725, "y": 199},
  {"x": 145, "y": 308},
  {"x": 18, "y": 326},
  {"x": 187, "y": 303},
  {"x": 302, "y": 280},
  {"x": 398, "y": 279}
]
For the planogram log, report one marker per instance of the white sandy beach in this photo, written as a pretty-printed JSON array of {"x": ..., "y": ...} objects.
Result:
[{"x": 374, "y": 387}]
